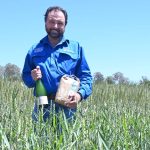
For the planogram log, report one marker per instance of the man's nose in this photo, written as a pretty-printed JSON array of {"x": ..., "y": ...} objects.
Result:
[{"x": 56, "y": 25}]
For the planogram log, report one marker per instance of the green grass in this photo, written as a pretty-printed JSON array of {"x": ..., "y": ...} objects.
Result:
[{"x": 114, "y": 117}]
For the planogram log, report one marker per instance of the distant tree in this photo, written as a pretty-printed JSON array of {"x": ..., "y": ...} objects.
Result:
[
  {"x": 1, "y": 71},
  {"x": 110, "y": 80},
  {"x": 119, "y": 78},
  {"x": 145, "y": 80},
  {"x": 12, "y": 72},
  {"x": 98, "y": 77}
]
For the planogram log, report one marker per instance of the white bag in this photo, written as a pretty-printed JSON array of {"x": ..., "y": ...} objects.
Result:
[{"x": 68, "y": 84}]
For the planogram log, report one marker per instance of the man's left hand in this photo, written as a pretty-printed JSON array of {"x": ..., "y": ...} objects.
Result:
[{"x": 73, "y": 99}]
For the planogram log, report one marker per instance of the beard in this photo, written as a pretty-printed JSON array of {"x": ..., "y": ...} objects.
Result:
[{"x": 54, "y": 33}]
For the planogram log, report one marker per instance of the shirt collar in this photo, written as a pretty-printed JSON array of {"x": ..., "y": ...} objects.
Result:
[{"x": 46, "y": 41}]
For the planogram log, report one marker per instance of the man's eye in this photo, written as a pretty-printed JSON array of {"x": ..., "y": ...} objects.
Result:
[
  {"x": 52, "y": 22},
  {"x": 60, "y": 23}
]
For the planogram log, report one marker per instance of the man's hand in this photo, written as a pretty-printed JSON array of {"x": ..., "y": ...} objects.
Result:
[
  {"x": 36, "y": 73},
  {"x": 73, "y": 99}
]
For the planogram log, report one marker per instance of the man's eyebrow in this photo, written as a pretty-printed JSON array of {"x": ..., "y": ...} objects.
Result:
[{"x": 55, "y": 18}]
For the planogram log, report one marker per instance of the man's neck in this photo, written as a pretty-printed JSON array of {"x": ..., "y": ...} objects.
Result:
[{"x": 53, "y": 41}]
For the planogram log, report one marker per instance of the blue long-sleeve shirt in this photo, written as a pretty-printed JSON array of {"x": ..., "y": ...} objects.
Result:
[{"x": 67, "y": 57}]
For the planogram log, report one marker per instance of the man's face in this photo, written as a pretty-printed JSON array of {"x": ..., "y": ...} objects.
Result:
[{"x": 55, "y": 24}]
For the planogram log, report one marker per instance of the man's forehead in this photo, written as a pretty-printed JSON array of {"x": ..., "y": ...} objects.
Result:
[{"x": 56, "y": 14}]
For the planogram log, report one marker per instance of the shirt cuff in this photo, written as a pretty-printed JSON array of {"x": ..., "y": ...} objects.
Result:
[
  {"x": 80, "y": 96},
  {"x": 81, "y": 92}
]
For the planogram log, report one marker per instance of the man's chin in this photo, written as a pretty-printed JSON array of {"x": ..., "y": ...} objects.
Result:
[{"x": 55, "y": 36}]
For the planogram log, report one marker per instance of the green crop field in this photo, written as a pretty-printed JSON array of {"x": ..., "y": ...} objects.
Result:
[{"x": 115, "y": 117}]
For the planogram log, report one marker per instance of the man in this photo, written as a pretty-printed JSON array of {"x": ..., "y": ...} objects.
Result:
[{"x": 53, "y": 57}]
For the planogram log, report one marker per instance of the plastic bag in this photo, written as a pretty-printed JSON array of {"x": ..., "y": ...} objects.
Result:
[{"x": 68, "y": 84}]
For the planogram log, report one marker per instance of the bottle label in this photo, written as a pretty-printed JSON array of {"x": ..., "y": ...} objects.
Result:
[{"x": 42, "y": 100}]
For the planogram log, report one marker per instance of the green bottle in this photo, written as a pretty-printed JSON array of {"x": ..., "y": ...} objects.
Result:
[{"x": 41, "y": 93}]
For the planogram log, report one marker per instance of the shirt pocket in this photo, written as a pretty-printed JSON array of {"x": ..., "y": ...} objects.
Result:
[
  {"x": 66, "y": 62},
  {"x": 39, "y": 58}
]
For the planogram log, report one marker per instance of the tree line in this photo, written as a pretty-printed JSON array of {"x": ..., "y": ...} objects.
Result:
[
  {"x": 117, "y": 78},
  {"x": 10, "y": 72},
  {"x": 13, "y": 72}
]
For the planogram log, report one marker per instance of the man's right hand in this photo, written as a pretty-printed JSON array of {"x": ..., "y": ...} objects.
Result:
[{"x": 36, "y": 73}]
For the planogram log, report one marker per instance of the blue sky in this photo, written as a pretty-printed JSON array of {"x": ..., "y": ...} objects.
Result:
[{"x": 115, "y": 34}]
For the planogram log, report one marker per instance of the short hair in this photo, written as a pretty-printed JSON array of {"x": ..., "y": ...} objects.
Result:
[{"x": 57, "y": 8}]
